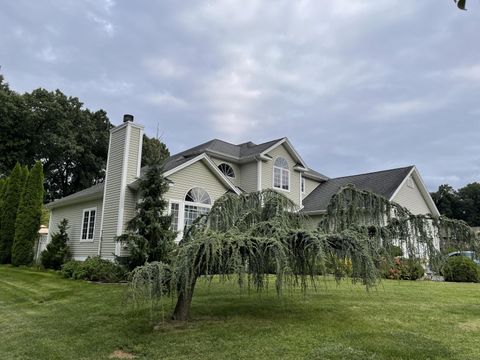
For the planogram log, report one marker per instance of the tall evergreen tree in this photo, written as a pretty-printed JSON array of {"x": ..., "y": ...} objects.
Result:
[
  {"x": 25, "y": 174},
  {"x": 152, "y": 148},
  {"x": 150, "y": 237},
  {"x": 28, "y": 218},
  {"x": 57, "y": 251},
  {"x": 11, "y": 200},
  {"x": 3, "y": 188}
]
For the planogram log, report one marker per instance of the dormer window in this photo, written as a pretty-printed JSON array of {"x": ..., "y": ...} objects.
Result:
[
  {"x": 226, "y": 170},
  {"x": 281, "y": 174}
]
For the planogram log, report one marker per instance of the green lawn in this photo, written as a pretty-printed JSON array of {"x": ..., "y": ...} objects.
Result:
[{"x": 43, "y": 316}]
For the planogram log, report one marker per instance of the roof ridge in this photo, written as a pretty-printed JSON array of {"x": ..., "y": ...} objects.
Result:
[{"x": 373, "y": 172}]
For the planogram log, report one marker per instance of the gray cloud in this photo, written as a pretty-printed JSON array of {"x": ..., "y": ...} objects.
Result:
[{"x": 357, "y": 85}]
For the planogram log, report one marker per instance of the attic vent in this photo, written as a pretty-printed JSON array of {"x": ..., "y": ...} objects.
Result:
[
  {"x": 127, "y": 118},
  {"x": 410, "y": 182}
]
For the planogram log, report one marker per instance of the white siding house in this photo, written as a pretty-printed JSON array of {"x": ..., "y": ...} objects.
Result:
[{"x": 200, "y": 175}]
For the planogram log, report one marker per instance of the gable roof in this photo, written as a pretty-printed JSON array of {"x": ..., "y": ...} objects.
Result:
[
  {"x": 171, "y": 166},
  {"x": 383, "y": 183}
]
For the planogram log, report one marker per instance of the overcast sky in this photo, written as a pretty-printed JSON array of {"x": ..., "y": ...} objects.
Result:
[{"x": 356, "y": 85}]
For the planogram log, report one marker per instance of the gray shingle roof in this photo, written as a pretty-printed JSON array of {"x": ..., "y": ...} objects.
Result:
[
  {"x": 383, "y": 183},
  {"x": 240, "y": 152},
  {"x": 217, "y": 146},
  {"x": 315, "y": 174},
  {"x": 92, "y": 192}
]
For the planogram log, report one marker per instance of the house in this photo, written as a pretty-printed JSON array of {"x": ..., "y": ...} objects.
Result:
[{"x": 200, "y": 175}]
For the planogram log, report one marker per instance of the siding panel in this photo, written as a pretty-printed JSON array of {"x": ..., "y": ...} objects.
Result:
[
  {"x": 197, "y": 174},
  {"x": 112, "y": 192},
  {"x": 412, "y": 199},
  {"x": 267, "y": 174},
  {"x": 249, "y": 176},
  {"x": 74, "y": 215},
  {"x": 310, "y": 185}
]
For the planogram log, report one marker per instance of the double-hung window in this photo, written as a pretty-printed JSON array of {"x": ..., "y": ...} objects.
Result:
[
  {"x": 88, "y": 224},
  {"x": 281, "y": 174}
]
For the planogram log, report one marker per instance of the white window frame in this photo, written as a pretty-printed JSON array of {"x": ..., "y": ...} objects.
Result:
[
  {"x": 180, "y": 222},
  {"x": 230, "y": 166},
  {"x": 281, "y": 175},
  {"x": 302, "y": 185},
  {"x": 87, "y": 239},
  {"x": 181, "y": 212}
]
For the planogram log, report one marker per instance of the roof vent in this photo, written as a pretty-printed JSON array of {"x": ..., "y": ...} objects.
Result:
[{"x": 127, "y": 118}]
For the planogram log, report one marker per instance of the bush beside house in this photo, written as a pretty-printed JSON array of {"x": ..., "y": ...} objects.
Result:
[
  {"x": 94, "y": 269},
  {"x": 403, "y": 269},
  {"x": 461, "y": 269},
  {"x": 57, "y": 251}
]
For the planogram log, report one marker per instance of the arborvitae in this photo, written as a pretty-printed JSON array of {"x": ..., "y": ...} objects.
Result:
[
  {"x": 28, "y": 218},
  {"x": 3, "y": 187},
  {"x": 57, "y": 251},
  {"x": 11, "y": 200},
  {"x": 150, "y": 237},
  {"x": 25, "y": 174}
]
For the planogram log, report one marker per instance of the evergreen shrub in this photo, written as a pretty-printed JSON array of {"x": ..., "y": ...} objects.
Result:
[
  {"x": 57, "y": 251},
  {"x": 94, "y": 269},
  {"x": 461, "y": 269}
]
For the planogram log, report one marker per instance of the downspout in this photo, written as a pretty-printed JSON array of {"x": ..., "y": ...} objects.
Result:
[{"x": 259, "y": 173}]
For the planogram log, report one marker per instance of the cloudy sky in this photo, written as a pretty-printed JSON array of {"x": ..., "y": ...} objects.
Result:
[{"x": 356, "y": 85}]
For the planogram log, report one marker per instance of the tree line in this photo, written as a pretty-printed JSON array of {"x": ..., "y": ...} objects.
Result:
[
  {"x": 69, "y": 140},
  {"x": 462, "y": 204}
]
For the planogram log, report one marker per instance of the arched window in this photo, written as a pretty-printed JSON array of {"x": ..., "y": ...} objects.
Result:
[
  {"x": 281, "y": 174},
  {"x": 227, "y": 170},
  {"x": 202, "y": 205},
  {"x": 198, "y": 195}
]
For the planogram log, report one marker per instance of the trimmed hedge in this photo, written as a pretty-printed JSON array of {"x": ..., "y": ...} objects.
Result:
[
  {"x": 94, "y": 269},
  {"x": 461, "y": 269}
]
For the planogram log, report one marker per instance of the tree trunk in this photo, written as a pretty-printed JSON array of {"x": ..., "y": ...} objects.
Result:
[{"x": 182, "y": 308}]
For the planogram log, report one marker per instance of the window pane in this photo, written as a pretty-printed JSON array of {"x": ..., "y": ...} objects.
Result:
[
  {"x": 85, "y": 225},
  {"x": 174, "y": 208},
  {"x": 198, "y": 195},
  {"x": 192, "y": 212},
  {"x": 226, "y": 170},
  {"x": 91, "y": 224},
  {"x": 285, "y": 179},
  {"x": 281, "y": 163},
  {"x": 276, "y": 177}
]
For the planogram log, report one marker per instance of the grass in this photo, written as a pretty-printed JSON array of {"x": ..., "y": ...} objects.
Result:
[{"x": 43, "y": 316}]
